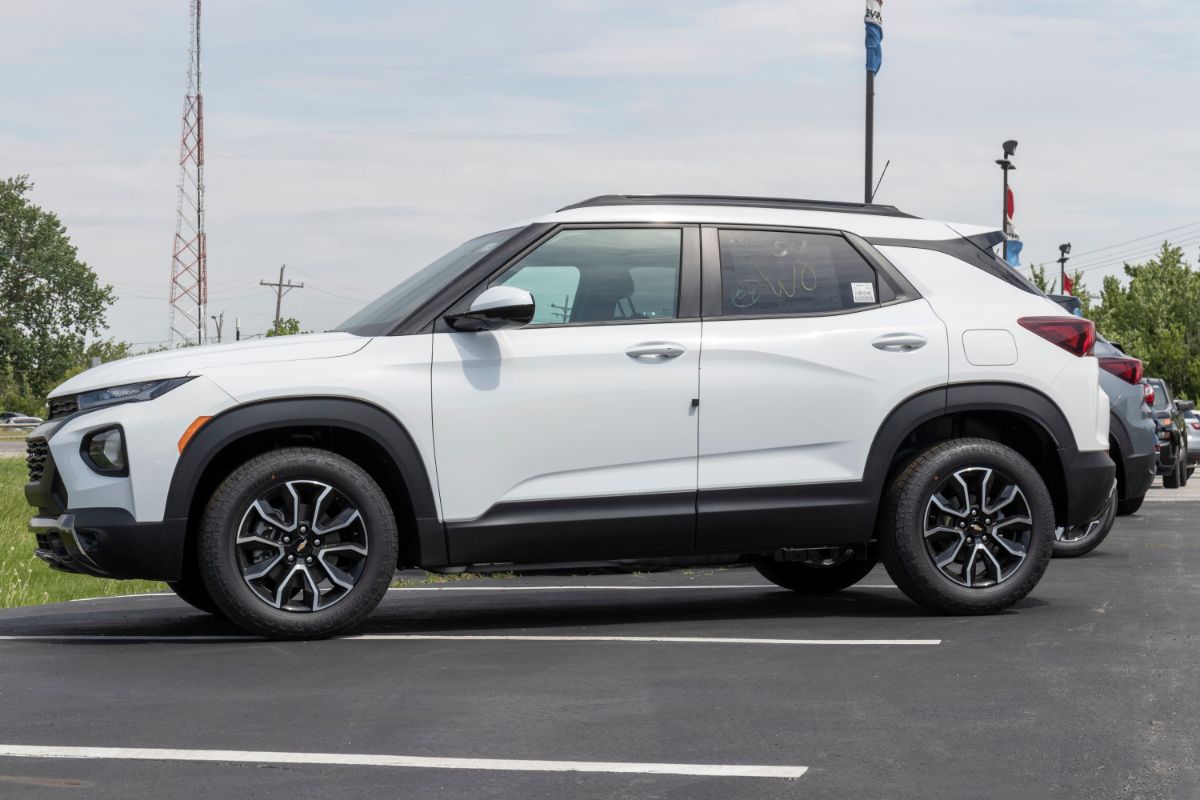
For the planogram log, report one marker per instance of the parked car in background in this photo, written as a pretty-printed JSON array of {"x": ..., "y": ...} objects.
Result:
[
  {"x": 1172, "y": 432},
  {"x": 1192, "y": 429},
  {"x": 19, "y": 421},
  {"x": 1131, "y": 441}
]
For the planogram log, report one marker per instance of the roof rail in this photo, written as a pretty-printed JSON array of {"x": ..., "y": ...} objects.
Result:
[{"x": 731, "y": 200}]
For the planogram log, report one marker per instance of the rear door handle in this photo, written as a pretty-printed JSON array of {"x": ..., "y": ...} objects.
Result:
[
  {"x": 655, "y": 351},
  {"x": 899, "y": 342}
]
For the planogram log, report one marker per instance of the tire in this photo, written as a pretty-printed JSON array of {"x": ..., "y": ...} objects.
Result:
[
  {"x": 1172, "y": 480},
  {"x": 254, "y": 546},
  {"x": 1129, "y": 505},
  {"x": 818, "y": 577},
  {"x": 1081, "y": 539},
  {"x": 1185, "y": 471},
  {"x": 192, "y": 591},
  {"x": 1019, "y": 549}
]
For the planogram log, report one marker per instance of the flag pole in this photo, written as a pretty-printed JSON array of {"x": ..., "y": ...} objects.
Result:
[{"x": 869, "y": 167}]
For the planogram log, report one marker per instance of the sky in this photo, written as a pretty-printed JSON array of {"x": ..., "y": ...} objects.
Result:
[{"x": 357, "y": 141}]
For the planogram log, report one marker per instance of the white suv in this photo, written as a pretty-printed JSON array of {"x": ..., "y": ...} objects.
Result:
[{"x": 804, "y": 386}]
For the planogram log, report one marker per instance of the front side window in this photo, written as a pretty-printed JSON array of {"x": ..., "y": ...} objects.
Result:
[
  {"x": 778, "y": 273},
  {"x": 601, "y": 275}
]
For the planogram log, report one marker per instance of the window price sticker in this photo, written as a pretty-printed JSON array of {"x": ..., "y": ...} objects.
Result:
[{"x": 863, "y": 292}]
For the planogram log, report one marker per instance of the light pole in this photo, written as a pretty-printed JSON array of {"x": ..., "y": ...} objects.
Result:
[
  {"x": 1010, "y": 147},
  {"x": 1064, "y": 250}
]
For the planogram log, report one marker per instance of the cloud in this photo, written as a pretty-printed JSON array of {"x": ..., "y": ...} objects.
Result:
[{"x": 358, "y": 143}]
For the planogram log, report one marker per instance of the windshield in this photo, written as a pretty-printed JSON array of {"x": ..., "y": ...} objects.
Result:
[{"x": 380, "y": 316}]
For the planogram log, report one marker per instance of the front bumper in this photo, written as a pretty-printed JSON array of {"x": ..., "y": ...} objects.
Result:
[
  {"x": 1089, "y": 479},
  {"x": 109, "y": 543}
]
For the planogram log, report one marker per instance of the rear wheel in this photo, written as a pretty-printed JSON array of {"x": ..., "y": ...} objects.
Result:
[
  {"x": 967, "y": 527},
  {"x": 298, "y": 543},
  {"x": 819, "y": 572},
  {"x": 1175, "y": 479},
  {"x": 1129, "y": 505},
  {"x": 1080, "y": 539}
]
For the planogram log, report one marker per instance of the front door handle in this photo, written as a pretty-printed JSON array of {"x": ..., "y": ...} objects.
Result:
[
  {"x": 655, "y": 351},
  {"x": 899, "y": 342}
]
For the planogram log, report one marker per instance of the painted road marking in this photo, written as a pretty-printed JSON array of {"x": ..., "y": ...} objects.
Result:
[
  {"x": 594, "y": 587},
  {"x": 449, "y": 637},
  {"x": 638, "y": 639},
  {"x": 371, "y": 760}
]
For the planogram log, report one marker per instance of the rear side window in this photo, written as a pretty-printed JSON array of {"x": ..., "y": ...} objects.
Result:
[{"x": 779, "y": 273}]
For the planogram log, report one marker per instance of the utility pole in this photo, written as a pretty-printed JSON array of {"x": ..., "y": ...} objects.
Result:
[
  {"x": 220, "y": 320},
  {"x": 281, "y": 289},
  {"x": 1064, "y": 252}
]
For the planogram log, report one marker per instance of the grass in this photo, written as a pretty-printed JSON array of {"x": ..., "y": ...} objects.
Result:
[
  {"x": 26, "y": 581},
  {"x": 436, "y": 577}
]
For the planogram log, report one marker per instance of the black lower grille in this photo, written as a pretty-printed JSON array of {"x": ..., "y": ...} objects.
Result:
[
  {"x": 62, "y": 406},
  {"x": 37, "y": 450}
]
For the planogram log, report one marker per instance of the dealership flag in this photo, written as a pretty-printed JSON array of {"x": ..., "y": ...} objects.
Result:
[
  {"x": 874, "y": 20},
  {"x": 1010, "y": 231}
]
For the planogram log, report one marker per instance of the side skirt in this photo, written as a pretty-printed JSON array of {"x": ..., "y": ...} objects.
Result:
[{"x": 728, "y": 521}]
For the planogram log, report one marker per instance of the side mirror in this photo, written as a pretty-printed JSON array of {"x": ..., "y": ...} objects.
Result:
[
  {"x": 1185, "y": 405},
  {"x": 496, "y": 308}
]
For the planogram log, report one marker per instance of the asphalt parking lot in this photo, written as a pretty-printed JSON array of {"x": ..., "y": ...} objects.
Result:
[{"x": 700, "y": 684}]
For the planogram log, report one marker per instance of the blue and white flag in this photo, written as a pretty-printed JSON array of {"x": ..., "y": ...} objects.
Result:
[{"x": 874, "y": 20}]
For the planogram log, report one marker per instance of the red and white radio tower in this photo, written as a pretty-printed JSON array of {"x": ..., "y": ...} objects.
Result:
[{"x": 189, "y": 257}]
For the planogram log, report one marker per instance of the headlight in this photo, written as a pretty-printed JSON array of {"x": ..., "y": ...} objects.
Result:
[
  {"x": 104, "y": 451},
  {"x": 128, "y": 393}
]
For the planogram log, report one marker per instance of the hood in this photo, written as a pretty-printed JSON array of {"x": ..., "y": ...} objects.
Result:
[{"x": 195, "y": 360}]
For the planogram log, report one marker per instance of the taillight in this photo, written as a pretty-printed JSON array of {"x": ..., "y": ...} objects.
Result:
[
  {"x": 1148, "y": 394},
  {"x": 1073, "y": 334},
  {"x": 1127, "y": 369}
]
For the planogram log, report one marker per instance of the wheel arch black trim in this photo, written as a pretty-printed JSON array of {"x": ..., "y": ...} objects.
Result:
[
  {"x": 235, "y": 424},
  {"x": 945, "y": 401}
]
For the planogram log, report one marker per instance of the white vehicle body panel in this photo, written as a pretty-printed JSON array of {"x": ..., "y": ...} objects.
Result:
[
  {"x": 791, "y": 400},
  {"x": 970, "y": 300},
  {"x": 152, "y": 432},
  {"x": 553, "y": 412}
]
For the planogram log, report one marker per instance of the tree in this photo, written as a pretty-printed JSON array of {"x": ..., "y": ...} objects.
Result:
[
  {"x": 50, "y": 301},
  {"x": 287, "y": 326},
  {"x": 1037, "y": 273},
  {"x": 1157, "y": 317}
]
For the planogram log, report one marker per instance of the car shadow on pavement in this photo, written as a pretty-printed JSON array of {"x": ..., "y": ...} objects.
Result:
[{"x": 722, "y": 613}]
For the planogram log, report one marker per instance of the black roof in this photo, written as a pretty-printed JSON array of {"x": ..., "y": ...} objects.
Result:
[{"x": 732, "y": 200}]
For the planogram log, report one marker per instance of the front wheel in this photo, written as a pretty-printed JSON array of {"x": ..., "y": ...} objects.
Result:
[
  {"x": 819, "y": 571},
  {"x": 298, "y": 543},
  {"x": 967, "y": 527},
  {"x": 1080, "y": 539},
  {"x": 191, "y": 590}
]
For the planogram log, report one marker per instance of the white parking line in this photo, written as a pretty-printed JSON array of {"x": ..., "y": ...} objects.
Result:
[
  {"x": 371, "y": 760},
  {"x": 638, "y": 639},
  {"x": 450, "y": 637},
  {"x": 602, "y": 587},
  {"x": 122, "y": 596}
]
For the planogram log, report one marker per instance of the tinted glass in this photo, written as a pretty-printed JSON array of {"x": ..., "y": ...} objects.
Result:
[
  {"x": 381, "y": 316},
  {"x": 601, "y": 275},
  {"x": 1161, "y": 398},
  {"x": 771, "y": 273}
]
